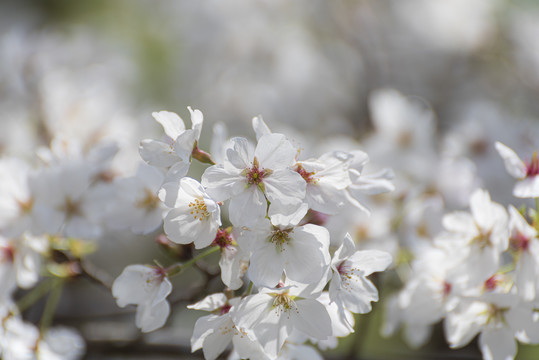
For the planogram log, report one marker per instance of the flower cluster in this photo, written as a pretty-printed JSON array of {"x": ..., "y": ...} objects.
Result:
[
  {"x": 273, "y": 200},
  {"x": 478, "y": 274}
]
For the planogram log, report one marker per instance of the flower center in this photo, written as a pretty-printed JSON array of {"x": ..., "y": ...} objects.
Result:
[
  {"x": 532, "y": 168},
  {"x": 198, "y": 209},
  {"x": 306, "y": 175},
  {"x": 255, "y": 174},
  {"x": 520, "y": 242},
  {"x": 284, "y": 303},
  {"x": 491, "y": 283},
  {"x": 447, "y": 288},
  {"x": 483, "y": 238},
  {"x": 26, "y": 206},
  {"x": 157, "y": 274},
  {"x": 223, "y": 238},
  {"x": 343, "y": 268},
  {"x": 7, "y": 253},
  {"x": 225, "y": 309},
  {"x": 349, "y": 275},
  {"x": 496, "y": 314},
  {"x": 71, "y": 208},
  {"x": 149, "y": 202},
  {"x": 280, "y": 237}
]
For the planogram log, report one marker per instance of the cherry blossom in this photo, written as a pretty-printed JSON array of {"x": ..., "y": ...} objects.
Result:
[
  {"x": 174, "y": 152},
  {"x": 526, "y": 173},
  {"x": 274, "y": 313},
  {"x": 301, "y": 251},
  {"x": 251, "y": 179},
  {"x": 349, "y": 285},
  {"x": 147, "y": 287},
  {"x": 195, "y": 216}
]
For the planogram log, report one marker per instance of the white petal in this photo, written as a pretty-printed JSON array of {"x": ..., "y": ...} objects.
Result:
[
  {"x": 182, "y": 228},
  {"x": 197, "y": 119},
  {"x": 287, "y": 215},
  {"x": 274, "y": 151},
  {"x": 157, "y": 153},
  {"x": 260, "y": 127},
  {"x": 527, "y": 188},
  {"x": 252, "y": 310},
  {"x": 284, "y": 188},
  {"x": 164, "y": 290},
  {"x": 233, "y": 264},
  {"x": 481, "y": 208},
  {"x": 218, "y": 341},
  {"x": 307, "y": 254},
  {"x": 248, "y": 207},
  {"x": 312, "y": 318},
  {"x": 357, "y": 293},
  {"x": 326, "y": 199},
  {"x": 152, "y": 317},
  {"x": 371, "y": 184},
  {"x": 513, "y": 164},
  {"x": 171, "y": 122},
  {"x": 61, "y": 343},
  {"x": 347, "y": 249},
  {"x": 462, "y": 325},
  {"x": 184, "y": 144},
  {"x": 203, "y": 327},
  {"x": 177, "y": 171},
  {"x": 266, "y": 266},
  {"x": 136, "y": 284},
  {"x": 498, "y": 344},
  {"x": 210, "y": 303},
  {"x": 151, "y": 177},
  {"x": 241, "y": 153},
  {"x": 169, "y": 194},
  {"x": 222, "y": 184},
  {"x": 525, "y": 276},
  {"x": 460, "y": 222},
  {"x": 369, "y": 261}
]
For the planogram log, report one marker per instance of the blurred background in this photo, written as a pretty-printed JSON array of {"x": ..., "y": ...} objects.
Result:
[{"x": 88, "y": 70}]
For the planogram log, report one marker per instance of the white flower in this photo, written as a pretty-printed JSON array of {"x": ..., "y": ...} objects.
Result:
[
  {"x": 19, "y": 340},
  {"x": 67, "y": 201},
  {"x": 349, "y": 285},
  {"x": 213, "y": 333},
  {"x": 525, "y": 244},
  {"x": 61, "y": 343},
  {"x": 301, "y": 251},
  {"x": 195, "y": 216},
  {"x": 22, "y": 341},
  {"x": 136, "y": 204},
  {"x": 404, "y": 134},
  {"x": 20, "y": 261},
  {"x": 478, "y": 238},
  {"x": 274, "y": 313},
  {"x": 428, "y": 295},
  {"x": 234, "y": 261},
  {"x": 340, "y": 327},
  {"x": 147, "y": 287},
  {"x": 251, "y": 179},
  {"x": 528, "y": 184},
  {"x": 327, "y": 178},
  {"x": 499, "y": 319},
  {"x": 16, "y": 197},
  {"x": 174, "y": 153}
]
